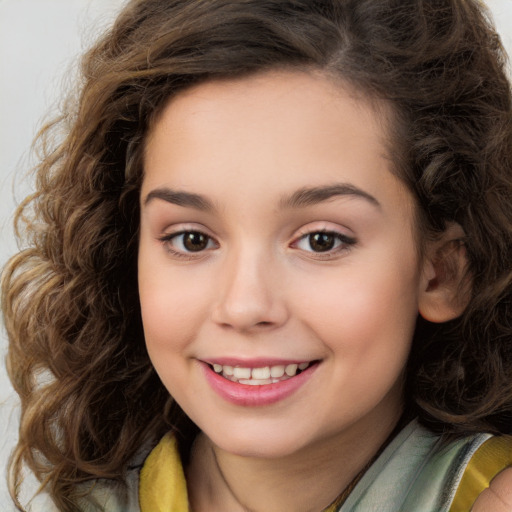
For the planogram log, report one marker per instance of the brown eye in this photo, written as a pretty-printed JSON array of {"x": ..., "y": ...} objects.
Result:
[
  {"x": 330, "y": 242},
  {"x": 321, "y": 242},
  {"x": 194, "y": 241},
  {"x": 186, "y": 242}
]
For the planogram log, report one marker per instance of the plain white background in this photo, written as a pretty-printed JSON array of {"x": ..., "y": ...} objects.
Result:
[{"x": 40, "y": 41}]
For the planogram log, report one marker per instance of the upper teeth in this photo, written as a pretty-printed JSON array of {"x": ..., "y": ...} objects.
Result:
[{"x": 265, "y": 373}]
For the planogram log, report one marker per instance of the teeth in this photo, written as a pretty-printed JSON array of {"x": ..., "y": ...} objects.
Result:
[
  {"x": 259, "y": 376},
  {"x": 255, "y": 382},
  {"x": 241, "y": 373},
  {"x": 260, "y": 373},
  {"x": 291, "y": 370},
  {"x": 277, "y": 371}
]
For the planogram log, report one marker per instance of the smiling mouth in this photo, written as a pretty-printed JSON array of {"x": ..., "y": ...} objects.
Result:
[{"x": 261, "y": 376}]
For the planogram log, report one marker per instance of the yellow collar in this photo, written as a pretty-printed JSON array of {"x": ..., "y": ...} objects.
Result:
[
  {"x": 162, "y": 485},
  {"x": 492, "y": 457}
]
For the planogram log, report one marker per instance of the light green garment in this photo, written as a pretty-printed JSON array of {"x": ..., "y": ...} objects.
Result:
[
  {"x": 416, "y": 472},
  {"x": 107, "y": 496}
]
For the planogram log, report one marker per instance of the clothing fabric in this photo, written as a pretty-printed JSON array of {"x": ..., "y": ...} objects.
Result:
[{"x": 417, "y": 472}]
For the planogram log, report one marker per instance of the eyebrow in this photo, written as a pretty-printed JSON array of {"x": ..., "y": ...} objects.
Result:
[
  {"x": 180, "y": 198},
  {"x": 314, "y": 195},
  {"x": 301, "y": 198}
]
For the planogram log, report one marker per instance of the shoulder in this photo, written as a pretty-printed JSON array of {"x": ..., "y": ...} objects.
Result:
[
  {"x": 486, "y": 483},
  {"x": 420, "y": 470},
  {"x": 498, "y": 496}
]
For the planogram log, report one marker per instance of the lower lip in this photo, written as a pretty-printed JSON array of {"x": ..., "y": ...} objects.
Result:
[{"x": 253, "y": 396}]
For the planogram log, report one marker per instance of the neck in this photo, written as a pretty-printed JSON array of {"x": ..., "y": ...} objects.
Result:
[{"x": 308, "y": 480}]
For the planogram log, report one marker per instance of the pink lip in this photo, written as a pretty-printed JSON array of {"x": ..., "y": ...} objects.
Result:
[{"x": 253, "y": 396}]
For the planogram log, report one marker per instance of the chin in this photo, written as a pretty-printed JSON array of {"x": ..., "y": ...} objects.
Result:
[{"x": 259, "y": 442}]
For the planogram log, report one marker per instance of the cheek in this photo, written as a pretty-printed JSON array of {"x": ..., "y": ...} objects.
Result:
[
  {"x": 363, "y": 313},
  {"x": 170, "y": 306},
  {"x": 168, "y": 320}
]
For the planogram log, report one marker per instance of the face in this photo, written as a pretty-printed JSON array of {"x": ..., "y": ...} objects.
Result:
[{"x": 278, "y": 271}]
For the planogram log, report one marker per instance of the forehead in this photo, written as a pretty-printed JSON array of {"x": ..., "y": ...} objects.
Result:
[
  {"x": 317, "y": 92},
  {"x": 270, "y": 134}
]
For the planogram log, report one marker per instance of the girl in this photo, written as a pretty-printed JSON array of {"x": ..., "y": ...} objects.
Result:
[{"x": 268, "y": 264}]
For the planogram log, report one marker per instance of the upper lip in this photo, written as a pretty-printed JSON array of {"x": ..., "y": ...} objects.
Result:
[{"x": 253, "y": 363}]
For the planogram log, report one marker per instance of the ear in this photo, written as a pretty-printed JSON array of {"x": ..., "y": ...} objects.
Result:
[{"x": 445, "y": 284}]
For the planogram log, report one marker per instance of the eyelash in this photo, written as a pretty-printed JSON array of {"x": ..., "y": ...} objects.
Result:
[
  {"x": 344, "y": 243},
  {"x": 167, "y": 240}
]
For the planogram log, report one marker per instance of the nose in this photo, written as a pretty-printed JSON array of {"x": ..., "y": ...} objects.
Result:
[{"x": 250, "y": 297}]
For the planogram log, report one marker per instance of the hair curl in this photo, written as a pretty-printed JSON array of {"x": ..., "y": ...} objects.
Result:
[{"x": 89, "y": 394}]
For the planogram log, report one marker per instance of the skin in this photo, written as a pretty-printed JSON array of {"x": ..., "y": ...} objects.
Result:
[
  {"x": 260, "y": 290},
  {"x": 498, "y": 496}
]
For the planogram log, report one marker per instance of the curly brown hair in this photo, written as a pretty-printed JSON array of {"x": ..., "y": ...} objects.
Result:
[{"x": 90, "y": 397}]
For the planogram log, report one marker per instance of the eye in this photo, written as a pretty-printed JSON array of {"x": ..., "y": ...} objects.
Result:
[
  {"x": 324, "y": 242},
  {"x": 188, "y": 242}
]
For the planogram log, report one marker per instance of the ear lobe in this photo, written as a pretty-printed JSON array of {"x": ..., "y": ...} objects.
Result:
[{"x": 446, "y": 286}]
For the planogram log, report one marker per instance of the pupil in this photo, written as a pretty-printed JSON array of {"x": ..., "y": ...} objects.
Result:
[
  {"x": 321, "y": 242},
  {"x": 194, "y": 241}
]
